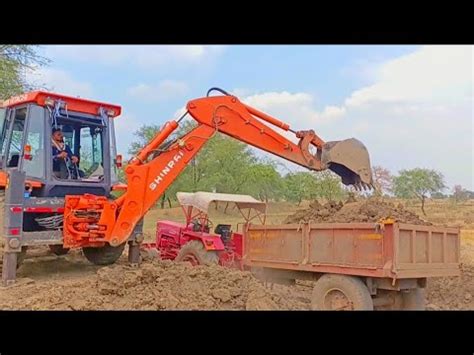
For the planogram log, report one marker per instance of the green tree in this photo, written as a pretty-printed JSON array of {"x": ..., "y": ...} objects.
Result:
[
  {"x": 265, "y": 182},
  {"x": 223, "y": 165},
  {"x": 15, "y": 60},
  {"x": 328, "y": 186},
  {"x": 300, "y": 186},
  {"x": 418, "y": 183}
]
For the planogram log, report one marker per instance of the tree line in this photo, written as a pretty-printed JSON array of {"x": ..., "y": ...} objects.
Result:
[{"x": 229, "y": 166}]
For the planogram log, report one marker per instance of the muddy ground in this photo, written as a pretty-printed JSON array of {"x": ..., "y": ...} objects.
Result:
[
  {"x": 71, "y": 283},
  {"x": 156, "y": 285}
]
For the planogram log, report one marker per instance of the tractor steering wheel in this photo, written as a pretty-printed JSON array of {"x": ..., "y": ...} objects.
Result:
[{"x": 198, "y": 227}]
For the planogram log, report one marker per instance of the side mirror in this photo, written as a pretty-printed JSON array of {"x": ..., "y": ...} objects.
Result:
[
  {"x": 118, "y": 161},
  {"x": 27, "y": 152}
]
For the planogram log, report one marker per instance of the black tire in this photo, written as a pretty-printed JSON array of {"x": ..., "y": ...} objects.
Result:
[
  {"x": 58, "y": 250},
  {"x": 194, "y": 250},
  {"x": 105, "y": 255},
  {"x": 351, "y": 292}
]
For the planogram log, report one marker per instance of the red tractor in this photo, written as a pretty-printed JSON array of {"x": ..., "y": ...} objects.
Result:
[{"x": 198, "y": 241}]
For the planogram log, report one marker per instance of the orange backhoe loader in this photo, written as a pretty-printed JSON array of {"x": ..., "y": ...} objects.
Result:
[{"x": 77, "y": 210}]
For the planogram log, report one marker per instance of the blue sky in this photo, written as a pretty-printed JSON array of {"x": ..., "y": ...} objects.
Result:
[{"x": 411, "y": 105}]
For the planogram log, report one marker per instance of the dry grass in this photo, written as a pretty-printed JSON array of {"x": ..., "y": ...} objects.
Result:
[
  {"x": 446, "y": 212},
  {"x": 439, "y": 212}
]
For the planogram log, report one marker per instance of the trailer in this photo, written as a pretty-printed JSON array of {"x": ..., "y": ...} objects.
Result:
[{"x": 358, "y": 266}]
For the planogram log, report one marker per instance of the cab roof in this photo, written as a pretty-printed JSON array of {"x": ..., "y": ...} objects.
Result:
[
  {"x": 73, "y": 103},
  {"x": 201, "y": 200}
]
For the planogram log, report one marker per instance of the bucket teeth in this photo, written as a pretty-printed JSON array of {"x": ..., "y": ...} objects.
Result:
[{"x": 359, "y": 186}]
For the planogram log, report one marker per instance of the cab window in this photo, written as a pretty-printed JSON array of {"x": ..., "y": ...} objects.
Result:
[
  {"x": 34, "y": 166},
  {"x": 15, "y": 148}
]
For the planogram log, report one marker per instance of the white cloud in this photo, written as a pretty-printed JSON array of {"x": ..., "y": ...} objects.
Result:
[
  {"x": 297, "y": 109},
  {"x": 164, "y": 90},
  {"x": 432, "y": 73},
  {"x": 150, "y": 57},
  {"x": 60, "y": 81},
  {"x": 417, "y": 113}
]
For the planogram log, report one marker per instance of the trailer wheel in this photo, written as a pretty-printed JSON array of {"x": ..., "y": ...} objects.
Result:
[
  {"x": 414, "y": 300},
  {"x": 58, "y": 250},
  {"x": 341, "y": 292},
  {"x": 195, "y": 253},
  {"x": 105, "y": 255}
]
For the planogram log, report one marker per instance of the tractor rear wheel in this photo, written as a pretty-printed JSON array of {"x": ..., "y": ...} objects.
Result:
[
  {"x": 105, "y": 255},
  {"x": 195, "y": 253}
]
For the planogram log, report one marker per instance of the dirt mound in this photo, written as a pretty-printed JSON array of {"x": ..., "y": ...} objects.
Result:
[
  {"x": 157, "y": 285},
  {"x": 371, "y": 210}
]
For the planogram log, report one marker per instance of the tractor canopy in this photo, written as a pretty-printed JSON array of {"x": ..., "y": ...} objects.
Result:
[{"x": 202, "y": 200}]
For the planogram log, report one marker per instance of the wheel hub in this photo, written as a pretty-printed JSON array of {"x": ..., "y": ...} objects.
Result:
[
  {"x": 191, "y": 259},
  {"x": 336, "y": 300}
]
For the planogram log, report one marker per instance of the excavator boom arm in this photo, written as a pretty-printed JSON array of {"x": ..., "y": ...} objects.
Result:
[{"x": 149, "y": 174}]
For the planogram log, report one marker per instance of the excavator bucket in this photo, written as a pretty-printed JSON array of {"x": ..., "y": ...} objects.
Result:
[{"x": 350, "y": 160}]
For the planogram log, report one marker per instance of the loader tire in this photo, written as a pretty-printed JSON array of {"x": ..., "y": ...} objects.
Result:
[
  {"x": 105, "y": 255},
  {"x": 341, "y": 292},
  {"x": 195, "y": 253},
  {"x": 58, "y": 250}
]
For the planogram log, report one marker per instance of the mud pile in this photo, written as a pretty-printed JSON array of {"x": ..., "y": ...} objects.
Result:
[
  {"x": 156, "y": 285},
  {"x": 371, "y": 210}
]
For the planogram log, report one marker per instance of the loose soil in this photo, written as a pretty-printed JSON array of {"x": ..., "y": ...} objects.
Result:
[
  {"x": 371, "y": 210},
  {"x": 156, "y": 285}
]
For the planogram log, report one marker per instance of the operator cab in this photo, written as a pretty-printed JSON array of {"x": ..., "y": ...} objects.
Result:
[{"x": 26, "y": 125}]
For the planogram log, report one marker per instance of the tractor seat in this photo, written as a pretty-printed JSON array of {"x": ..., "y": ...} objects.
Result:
[
  {"x": 224, "y": 230},
  {"x": 13, "y": 161}
]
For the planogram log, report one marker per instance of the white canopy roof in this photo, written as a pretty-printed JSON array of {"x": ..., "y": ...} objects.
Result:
[{"x": 201, "y": 200}]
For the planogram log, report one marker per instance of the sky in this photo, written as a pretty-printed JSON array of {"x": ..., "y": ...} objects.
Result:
[{"x": 412, "y": 106}]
